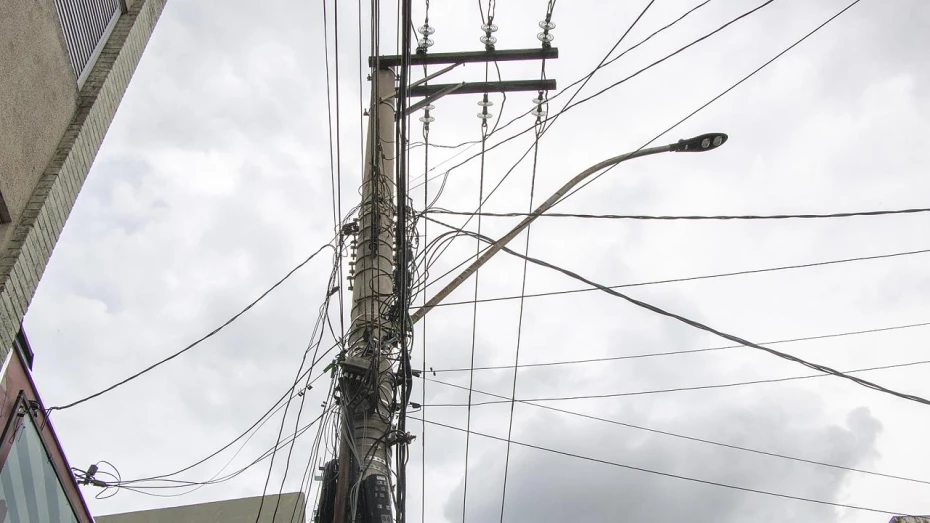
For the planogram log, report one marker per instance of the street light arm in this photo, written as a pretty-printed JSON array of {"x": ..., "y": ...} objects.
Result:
[{"x": 542, "y": 208}]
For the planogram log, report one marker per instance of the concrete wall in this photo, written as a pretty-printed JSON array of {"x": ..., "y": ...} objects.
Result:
[
  {"x": 38, "y": 95},
  {"x": 231, "y": 511},
  {"x": 28, "y": 242}
]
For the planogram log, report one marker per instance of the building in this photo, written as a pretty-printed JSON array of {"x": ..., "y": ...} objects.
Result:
[
  {"x": 289, "y": 510},
  {"x": 36, "y": 483},
  {"x": 64, "y": 67}
]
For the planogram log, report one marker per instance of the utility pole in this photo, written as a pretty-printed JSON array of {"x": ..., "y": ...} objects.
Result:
[
  {"x": 374, "y": 370},
  {"x": 366, "y": 374}
]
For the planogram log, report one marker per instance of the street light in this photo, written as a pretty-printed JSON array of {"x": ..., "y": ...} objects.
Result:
[{"x": 698, "y": 144}]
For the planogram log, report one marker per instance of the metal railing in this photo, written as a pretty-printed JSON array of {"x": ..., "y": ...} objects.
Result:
[{"x": 86, "y": 25}]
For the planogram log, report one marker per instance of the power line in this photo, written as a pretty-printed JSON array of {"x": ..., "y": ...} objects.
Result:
[
  {"x": 685, "y": 217},
  {"x": 667, "y": 474},
  {"x": 677, "y": 51},
  {"x": 254, "y": 427},
  {"x": 192, "y": 345},
  {"x": 120, "y": 484},
  {"x": 700, "y": 326},
  {"x": 567, "y": 107},
  {"x": 540, "y": 132},
  {"x": 516, "y": 363},
  {"x": 721, "y": 95},
  {"x": 683, "y": 389},
  {"x": 474, "y": 319},
  {"x": 695, "y": 278},
  {"x": 318, "y": 327},
  {"x": 726, "y": 91},
  {"x": 687, "y": 351},
  {"x": 552, "y": 120},
  {"x": 690, "y": 438}
]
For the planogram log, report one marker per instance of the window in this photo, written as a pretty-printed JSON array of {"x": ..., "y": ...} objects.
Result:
[
  {"x": 4, "y": 211},
  {"x": 86, "y": 25},
  {"x": 30, "y": 490}
]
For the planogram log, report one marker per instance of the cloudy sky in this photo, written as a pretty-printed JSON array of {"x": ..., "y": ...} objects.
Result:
[{"x": 214, "y": 181}]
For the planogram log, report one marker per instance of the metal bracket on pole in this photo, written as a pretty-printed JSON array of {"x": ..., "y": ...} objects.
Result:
[
  {"x": 424, "y": 80},
  {"x": 506, "y": 86},
  {"x": 448, "y": 89},
  {"x": 509, "y": 55}
]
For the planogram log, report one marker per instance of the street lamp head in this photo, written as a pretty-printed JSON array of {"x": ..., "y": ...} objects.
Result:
[{"x": 699, "y": 144}]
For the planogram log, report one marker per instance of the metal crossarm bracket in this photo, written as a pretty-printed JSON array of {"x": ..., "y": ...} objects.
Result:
[
  {"x": 506, "y": 86},
  {"x": 509, "y": 55}
]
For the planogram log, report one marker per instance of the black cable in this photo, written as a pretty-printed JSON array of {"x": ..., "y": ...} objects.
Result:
[
  {"x": 341, "y": 279},
  {"x": 691, "y": 438},
  {"x": 401, "y": 291},
  {"x": 303, "y": 397},
  {"x": 255, "y": 426},
  {"x": 687, "y": 351},
  {"x": 676, "y": 52},
  {"x": 706, "y": 328},
  {"x": 722, "y": 94},
  {"x": 600, "y": 65},
  {"x": 192, "y": 345},
  {"x": 669, "y": 475},
  {"x": 474, "y": 319},
  {"x": 516, "y": 364},
  {"x": 540, "y": 132},
  {"x": 476, "y": 213},
  {"x": 119, "y": 484},
  {"x": 605, "y": 62},
  {"x": 682, "y": 389},
  {"x": 568, "y": 107},
  {"x": 686, "y": 217},
  {"x": 318, "y": 327},
  {"x": 424, "y": 344},
  {"x": 552, "y": 120},
  {"x": 694, "y": 278}
]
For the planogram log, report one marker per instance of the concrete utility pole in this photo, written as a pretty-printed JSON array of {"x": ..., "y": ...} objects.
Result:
[
  {"x": 357, "y": 485},
  {"x": 366, "y": 382}
]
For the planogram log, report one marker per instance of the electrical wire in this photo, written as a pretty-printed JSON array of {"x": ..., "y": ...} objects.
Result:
[
  {"x": 679, "y": 352},
  {"x": 681, "y": 389},
  {"x": 695, "y": 278},
  {"x": 324, "y": 312},
  {"x": 700, "y": 326},
  {"x": 516, "y": 364},
  {"x": 192, "y": 345},
  {"x": 253, "y": 429},
  {"x": 474, "y": 319},
  {"x": 401, "y": 277},
  {"x": 721, "y": 95},
  {"x": 119, "y": 484},
  {"x": 591, "y": 180},
  {"x": 686, "y": 217},
  {"x": 576, "y": 82},
  {"x": 690, "y": 438},
  {"x": 669, "y": 475},
  {"x": 314, "y": 345},
  {"x": 567, "y": 107}
]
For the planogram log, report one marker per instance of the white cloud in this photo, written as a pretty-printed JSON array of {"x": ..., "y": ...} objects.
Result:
[{"x": 214, "y": 181}]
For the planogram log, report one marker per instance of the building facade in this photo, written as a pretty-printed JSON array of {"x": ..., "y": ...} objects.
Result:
[
  {"x": 64, "y": 66},
  {"x": 286, "y": 508},
  {"x": 36, "y": 483}
]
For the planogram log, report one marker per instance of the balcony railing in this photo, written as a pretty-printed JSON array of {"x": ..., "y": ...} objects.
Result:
[{"x": 86, "y": 25}]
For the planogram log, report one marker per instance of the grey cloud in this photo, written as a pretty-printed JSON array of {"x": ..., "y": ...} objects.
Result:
[{"x": 544, "y": 487}]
